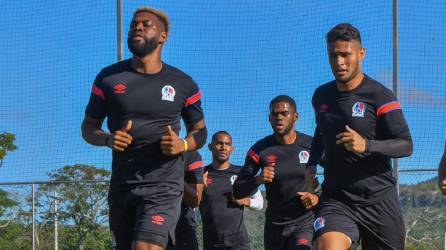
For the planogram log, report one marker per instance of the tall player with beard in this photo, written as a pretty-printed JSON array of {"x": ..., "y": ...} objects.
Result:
[
  {"x": 144, "y": 99},
  {"x": 282, "y": 157}
]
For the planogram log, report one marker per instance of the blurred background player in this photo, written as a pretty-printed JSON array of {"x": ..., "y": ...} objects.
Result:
[
  {"x": 185, "y": 231},
  {"x": 221, "y": 213},
  {"x": 360, "y": 126},
  {"x": 282, "y": 157}
]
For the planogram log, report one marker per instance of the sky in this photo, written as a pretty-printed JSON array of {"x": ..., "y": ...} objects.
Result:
[{"x": 241, "y": 53}]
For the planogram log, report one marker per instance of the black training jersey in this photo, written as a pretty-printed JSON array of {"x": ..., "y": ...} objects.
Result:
[
  {"x": 152, "y": 102},
  {"x": 221, "y": 217},
  {"x": 371, "y": 110},
  {"x": 193, "y": 175},
  {"x": 284, "y": 205}
]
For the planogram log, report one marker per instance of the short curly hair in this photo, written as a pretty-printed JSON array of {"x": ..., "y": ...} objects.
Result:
[
  {"x": 344, "y": 32},
  {"x": 162, "y": 16}
]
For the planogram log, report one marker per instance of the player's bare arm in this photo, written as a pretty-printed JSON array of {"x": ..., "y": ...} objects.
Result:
[
  {"x": 172, "y": 144},
  {"x": 93, "y": 134},
  {"x": 192, "y": 194}
]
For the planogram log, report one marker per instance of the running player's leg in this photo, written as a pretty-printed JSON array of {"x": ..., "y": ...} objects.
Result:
[
  {"x": 156, "y": 217},
  {"x": 334, "y": 227},
  {"x": 299, "y": 235},
  {"x": 376, "y": 231},
  {"x": 121, "y": 218},
  {"x": 273, "y": 239}
]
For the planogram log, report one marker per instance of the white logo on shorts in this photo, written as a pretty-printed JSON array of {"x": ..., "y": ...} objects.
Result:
[
  {"x": 319, "y": 223},
  {"x": 167, "y": 93}
]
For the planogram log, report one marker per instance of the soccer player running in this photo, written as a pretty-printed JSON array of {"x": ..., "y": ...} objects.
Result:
[
  {"x": 282, "y": 157},
  {"x": 360, "y": 126},
  {"x": 144, "y": 99},
  {"x": 185, "y": 232},
  {"x": 221, "y": 213},
  {"x": 442, "y": 173}
]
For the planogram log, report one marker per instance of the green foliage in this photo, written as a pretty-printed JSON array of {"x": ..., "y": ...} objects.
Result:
[
  {"x": 5, "y": 202},
  {"x": 81, "y": 205},
  {"x": 6, "y": 144}
]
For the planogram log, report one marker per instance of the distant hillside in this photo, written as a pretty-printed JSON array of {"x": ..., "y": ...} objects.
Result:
[{"x": 423, "y": 194}]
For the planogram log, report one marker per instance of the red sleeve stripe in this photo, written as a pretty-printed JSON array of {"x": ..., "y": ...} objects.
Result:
[
  {"x": 386, "y": 108},
  {"x": 255, "y": 157},
  {"x": 193, "y": 99},
  {"x": 98, "y": 92},
  {"x": 195, "y": 165}
]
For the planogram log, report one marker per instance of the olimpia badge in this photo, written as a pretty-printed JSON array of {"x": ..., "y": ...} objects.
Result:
[
  {"x": 358, "y": 109},
  {"x": 304, "y": 156},
  {"x": 168, "y": 93}
]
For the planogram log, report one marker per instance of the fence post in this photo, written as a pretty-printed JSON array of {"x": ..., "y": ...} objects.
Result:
[
  {"x": 395, "y": 85},
  {"x": 33, "y": 215},
  {"x": 56, "y": 243}
]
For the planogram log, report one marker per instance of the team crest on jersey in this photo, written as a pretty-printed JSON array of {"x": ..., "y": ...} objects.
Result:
[
  {"x": 303, "y": 156},
  {"x": 318, "y": 224},
  {"x": 167, "y": 93},
  {"x": 233, "y": 178},
  {"x": 358, "y": 109}
]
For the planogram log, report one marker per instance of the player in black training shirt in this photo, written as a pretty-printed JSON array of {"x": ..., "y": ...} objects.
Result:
[
  {"x": 442, "y": 172},
  {"x": 282, "y": 157},
  {"x": 221, "y": 213},
  {"x": 143, "y": 100},
  {"x": 185, "y": 232},
  {"x": 360, "y": 126}
]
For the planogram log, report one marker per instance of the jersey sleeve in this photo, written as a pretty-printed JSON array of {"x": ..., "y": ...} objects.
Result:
[
  {"x": 97, "y": 104},
  {"x": 245, "y": 185},
  {"x": 394, "y": 139},
  {"x": 192, "y": 111},
  {"x": 390, "y": 116},
  {"x": 317, "y": 149},
  {"x": 194, "y": 168}
]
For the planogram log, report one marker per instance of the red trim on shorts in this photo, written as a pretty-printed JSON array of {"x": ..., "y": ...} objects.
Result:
[
  {"x": 193, "y": 99},
  {"x": 386, "y": 108}
]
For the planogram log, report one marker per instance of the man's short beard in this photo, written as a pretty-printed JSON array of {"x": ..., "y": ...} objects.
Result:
[
  {"x": 221, "y": 161},
  {"x": 142, "y": 49},
  {"x": 285, "y": 132}
]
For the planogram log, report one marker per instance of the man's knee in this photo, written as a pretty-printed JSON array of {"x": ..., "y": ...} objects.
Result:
[{"x": 333, "y": 241}]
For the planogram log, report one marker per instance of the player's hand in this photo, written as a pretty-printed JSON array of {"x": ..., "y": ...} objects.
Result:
[
  {"x": 310, "y": 177},
  {"x": 205, "y": 179},
  {"x": 120, "y": 139},
  {"x": 241, "y": 202},
  {"x": 267, "y": 175},
  {"x": 171, "y": 144},
  {"x": 443, "y": 186},
  {"x": 309, "y": 200},
  {"x": 351, "y": 140}
]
